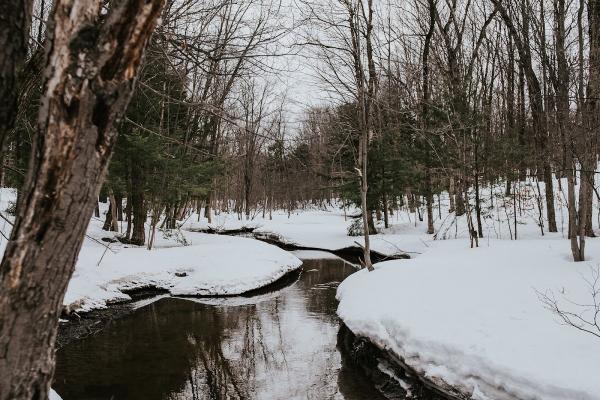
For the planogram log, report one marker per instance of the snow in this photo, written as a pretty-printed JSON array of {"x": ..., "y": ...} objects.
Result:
[
  {"x": 211, "y": 266},
  {"x": 475, "y": 319},
  {"x": 324, "y": 229},
  {"x": 315, "y": 255},
  {"x": 54, "y": 395},
  {"x": 468, "y": 318}
]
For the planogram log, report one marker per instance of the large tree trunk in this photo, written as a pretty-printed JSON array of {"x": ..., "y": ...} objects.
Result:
[{"x": 70, "y": 154}]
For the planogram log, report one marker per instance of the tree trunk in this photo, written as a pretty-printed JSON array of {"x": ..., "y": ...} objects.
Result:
[
  {"x": 108, "y": 219},
  {"x": 451, "y": 193},
  {"x": 138, "y": 208},
  {"x": 366, "y": 215},
  {"x": 386, "y": 211},
  {"x": 573, "y": 229},
  {"x": 459, "y": 199},
  {"x": 129, "y": 216},
  {"x": 478, "y": 204},
  {"x": 110, "y": 222},
  {"x": 74, "y": 141},
  {"x": 371, "y": 223},
  {"x": 410, "y": 198},
  {"x": 15, "y": 19},
  {"x": 425, "y": 112},
  {"x": 207, "y": 209},
  {"x": 119, "y": 203},
  {"x": 113, "y": 211},
  {"x": 247, "y": 189},
  {"x": 592, "y": 106}
]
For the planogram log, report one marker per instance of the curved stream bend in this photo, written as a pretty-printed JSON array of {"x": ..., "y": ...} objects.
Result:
[{"x": 278, "y": 345}]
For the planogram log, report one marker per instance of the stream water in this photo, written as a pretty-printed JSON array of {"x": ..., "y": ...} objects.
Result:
[{"x": 275, "y": 345}]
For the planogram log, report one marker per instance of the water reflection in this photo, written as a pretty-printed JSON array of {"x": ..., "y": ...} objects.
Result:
[{"x": 283, "y": 346}]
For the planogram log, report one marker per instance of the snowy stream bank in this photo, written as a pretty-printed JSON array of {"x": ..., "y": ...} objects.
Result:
[
  {"x": 474, "y": 320},
  {"x": 209, "y": 266}
]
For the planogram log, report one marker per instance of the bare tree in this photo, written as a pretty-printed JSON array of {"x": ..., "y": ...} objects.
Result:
[
  {"x": 536, "y": 99},
  {"x": 347, "y": 50},
  {"x": 582, "y": 316}
]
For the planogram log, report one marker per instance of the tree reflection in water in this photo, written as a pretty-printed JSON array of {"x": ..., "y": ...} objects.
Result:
[{"x": 276, "y": 346}]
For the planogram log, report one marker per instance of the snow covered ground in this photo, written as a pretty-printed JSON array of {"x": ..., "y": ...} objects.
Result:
[
  {"x": 479, "y": 319},
  {"x": 474, "y": 318},
  {"x": 321, "y": 229},
  {"x": 208, "y": 265},
  {"x": 326, "y": 228},
  {"x": 470, "y": 318},
  {"x": 54, "y": 395}
]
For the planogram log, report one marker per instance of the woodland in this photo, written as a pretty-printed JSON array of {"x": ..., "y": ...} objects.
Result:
[{"x": 149, "y": 116}]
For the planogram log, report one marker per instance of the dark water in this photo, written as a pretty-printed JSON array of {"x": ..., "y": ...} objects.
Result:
[{"x": 279, "y": 345}]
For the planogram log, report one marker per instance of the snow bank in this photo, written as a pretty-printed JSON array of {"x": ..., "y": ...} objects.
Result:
[
  {"x": 473, "y": 318},
  {"x": 320, "y": 229},
  {"x": 54, "y": 395},
  {"x": 211, "y": 266},
  {"x": 328, "y": 230}
]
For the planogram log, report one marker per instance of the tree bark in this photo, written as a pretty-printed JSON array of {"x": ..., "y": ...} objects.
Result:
[
  {"x": 89, "y": 79},
  {"x": 110, "y": 222},
  {"x": 451, "y": 194},
  {"x": 119, "y": 203},
  {"x": 15, "y": 20},
  {"x": 138, "y": 208},
  {"x": 129, "y": 216}
]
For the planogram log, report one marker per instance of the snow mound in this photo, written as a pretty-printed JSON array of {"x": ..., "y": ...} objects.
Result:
[
  {"x": 211, "y": 266},
  {"x": 473, "y": 318}
]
